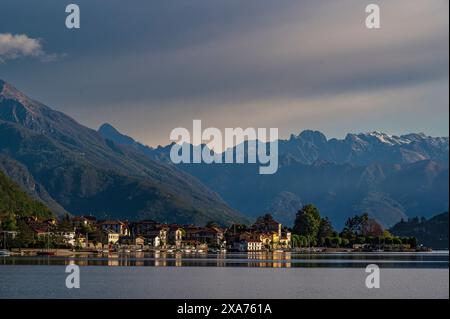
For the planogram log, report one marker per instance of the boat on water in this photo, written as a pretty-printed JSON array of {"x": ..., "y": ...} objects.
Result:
[
  {"x": 5, "y": 253},
  {"x": 187, "y": 250}
]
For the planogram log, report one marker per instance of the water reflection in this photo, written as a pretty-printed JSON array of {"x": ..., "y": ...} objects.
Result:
[
  {"x": 178, "y": 259},
  {"x": 276, "y": 259},
  {"x": 160, "y": 258}
]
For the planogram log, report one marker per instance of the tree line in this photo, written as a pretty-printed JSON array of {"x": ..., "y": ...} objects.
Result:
[{"x": 311, "y": 230}]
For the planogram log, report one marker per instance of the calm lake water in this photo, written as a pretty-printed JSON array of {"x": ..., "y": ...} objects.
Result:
[{"x": 230, "y": 275}]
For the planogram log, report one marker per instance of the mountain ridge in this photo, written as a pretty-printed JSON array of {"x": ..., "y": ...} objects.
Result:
[
  {"x": 86, "y": 173},
  {"x": 368, "y": 175}
]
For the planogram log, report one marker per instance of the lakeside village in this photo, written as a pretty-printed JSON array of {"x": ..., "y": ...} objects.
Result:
[{"x": 31, "y": 235}]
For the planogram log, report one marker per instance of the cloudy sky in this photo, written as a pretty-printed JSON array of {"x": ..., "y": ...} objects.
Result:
[{"x": 147, "y": 67}]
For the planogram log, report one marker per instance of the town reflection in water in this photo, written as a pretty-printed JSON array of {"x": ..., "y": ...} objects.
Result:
[
  {"x": 273, "y": 259},
  {"x": 178, "y": 259}
]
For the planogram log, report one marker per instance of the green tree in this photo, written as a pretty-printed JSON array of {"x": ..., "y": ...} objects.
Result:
[
  {"x": 336, "y": 242},
  {"x": 345, "y": 242},
  {"x": 325, "y": 229},
  {"x": 25, "y": 237},
  {"x": 322, "y": 241},
  {"x": 296, "y": 242},
  {"x": 307, "y": 221},
  {"x": 9, "y": 223},
  {"x": 304, "y": 242},
  {"x": 354, "y": 226}
]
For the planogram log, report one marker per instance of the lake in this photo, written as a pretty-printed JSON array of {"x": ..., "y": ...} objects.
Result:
[{"x": 230, "y": 275}]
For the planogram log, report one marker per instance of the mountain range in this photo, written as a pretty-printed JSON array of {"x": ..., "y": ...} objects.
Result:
[
  {"x": 390, "y": 177},
  {"x": 73, "y": 169}
]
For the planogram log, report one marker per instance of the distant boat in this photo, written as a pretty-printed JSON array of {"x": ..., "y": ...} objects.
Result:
[
  {"x": 187, "y": 250},
  {"x": 5, "y": 253}
]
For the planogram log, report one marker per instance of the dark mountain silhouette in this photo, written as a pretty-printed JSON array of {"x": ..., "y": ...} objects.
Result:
[
  {"x": 83, "y": 172},
  {"x": 390, "y": 177}
]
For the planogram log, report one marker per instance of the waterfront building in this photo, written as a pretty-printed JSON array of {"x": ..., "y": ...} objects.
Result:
[
  {"x": 249, "y": 245},
  {"x": 113, "y": 238},
  {"x": 175, "y": 235},
  {"x": 133, "y": 242},
  {"x": 115, "y": 226}
]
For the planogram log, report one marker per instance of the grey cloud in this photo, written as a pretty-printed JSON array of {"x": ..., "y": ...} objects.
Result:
[
  {"x": 13, "y": 46},
  {"x": 287, "y": 57},
  {"x": 157, "y": 65}
]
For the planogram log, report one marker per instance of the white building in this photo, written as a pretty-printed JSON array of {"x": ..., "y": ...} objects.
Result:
[
  {"x": 250, "y": 245},
  {"x": 68, "y": 237}
]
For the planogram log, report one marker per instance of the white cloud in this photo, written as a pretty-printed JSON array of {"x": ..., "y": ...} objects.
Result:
[{"x": 20, "y": 45}]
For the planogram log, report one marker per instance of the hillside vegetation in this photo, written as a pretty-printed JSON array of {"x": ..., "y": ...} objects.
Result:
[{"x": 15, "y": 201}]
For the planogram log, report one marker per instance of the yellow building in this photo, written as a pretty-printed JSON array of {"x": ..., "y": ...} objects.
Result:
[{"x": 271, "y": 233}]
